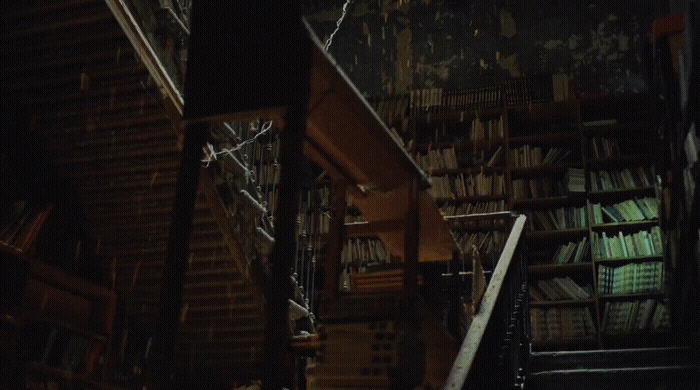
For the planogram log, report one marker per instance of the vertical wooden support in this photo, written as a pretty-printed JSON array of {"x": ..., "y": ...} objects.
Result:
[
  {"x": 162, "y": 362},
  {"x": 277, "y": 370},
  {"x": 411, "y": 238},
  {"x": 335, "y": 240}
]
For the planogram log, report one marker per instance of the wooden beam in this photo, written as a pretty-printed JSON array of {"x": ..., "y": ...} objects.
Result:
[
  {"x": 335, "y": 240},
  {"x": 162, "y": 361},
  {"x": 470, "y": 345}
]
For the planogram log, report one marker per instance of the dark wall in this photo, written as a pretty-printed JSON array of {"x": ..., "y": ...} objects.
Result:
[{"x": 386, "y": 48}]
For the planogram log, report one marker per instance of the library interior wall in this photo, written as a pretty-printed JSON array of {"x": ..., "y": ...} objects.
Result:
[{"x": 463, "y": 44}]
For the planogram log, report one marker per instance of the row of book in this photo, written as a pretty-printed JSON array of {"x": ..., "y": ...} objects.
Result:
[
  {"x": 631, "y": 278},
  {"x": 434, "y": 100},
  {"x": 557, "y": 219},
  {"x": 472, "y": 208},
  {"x": 621, "y": 179},
  {"x": 565, "y": 323},
  {"x": 531, "y": 156},
  {"x": 456, "y": 186},
  {"x": 21, "y": 224},
  {"x": 536, "y": 188},
  {"x": 575, "y": 180},
  {"x": 364, "y": 251},
  {"x": 485, "y": 242},
  {"x": 559, "y": 289},
  {"x": 642, "y": 243},
  {"x": 626, "y": 211},
  {"x": 603, "y": 147},
  {"x": 515, "y": 91},
  {"x": 450, "y": 159},
  {"x": 634, "y": 316},
  {"x": 572, "y": 252},
  {"x": 487, "y": 130}
]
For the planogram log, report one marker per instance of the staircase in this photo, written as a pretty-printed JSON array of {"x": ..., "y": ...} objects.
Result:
[{"x": 670, "y": 368}]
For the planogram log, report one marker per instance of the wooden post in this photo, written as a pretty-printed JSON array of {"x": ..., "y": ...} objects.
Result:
[
  {"x": 277, "y": 370},
  {"x": 335, "y": 241},
  {"x": 411, "y": 238},
  {"x": 162, "y": 362}
]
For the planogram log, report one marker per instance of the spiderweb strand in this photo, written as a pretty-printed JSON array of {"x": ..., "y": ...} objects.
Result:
[{"x": 337, "y": 25}]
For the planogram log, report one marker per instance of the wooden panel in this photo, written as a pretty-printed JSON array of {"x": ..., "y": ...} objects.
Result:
[{"x": 436, "y": 242}]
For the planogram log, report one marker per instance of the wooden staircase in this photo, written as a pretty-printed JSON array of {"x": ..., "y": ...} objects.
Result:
[{"x": 670, "y": 368}]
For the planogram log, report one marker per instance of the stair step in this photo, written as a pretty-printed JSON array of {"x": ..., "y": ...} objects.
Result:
[
  {"x": 674, "y": 377},
  {"x": 610, "y": 359}
]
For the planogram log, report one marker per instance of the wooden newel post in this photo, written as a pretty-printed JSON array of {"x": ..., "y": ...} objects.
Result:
[{"x": 411, "y": 239}]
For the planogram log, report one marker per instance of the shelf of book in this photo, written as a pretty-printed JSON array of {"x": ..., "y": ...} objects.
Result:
[
  {"x": 548, "y": 201},
  {"x": 624, "y": 225},
  {"x": 623, "y": 297},
  {"x": 546, "y": 110},
  {"x": 568, "y": 268},
  {"x": 619, "y": 192},
  {"x": 630, "y": 259},
  {"x": 571, "y": 302},
  {"x": 606, "y": 128},
  {"x": 544, "y": 169},
  {"x": 553, "y": 234},
  {"x": 599, "y": 162},
  {"x": 460, "y": 115},
  {"x": 545, "y": 138}
]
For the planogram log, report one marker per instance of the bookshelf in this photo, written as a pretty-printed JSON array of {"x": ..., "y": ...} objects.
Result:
[{"x": 583, "y": 170}]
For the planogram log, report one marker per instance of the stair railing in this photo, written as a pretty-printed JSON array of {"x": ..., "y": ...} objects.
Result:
[{"x": 494, "y": 352}]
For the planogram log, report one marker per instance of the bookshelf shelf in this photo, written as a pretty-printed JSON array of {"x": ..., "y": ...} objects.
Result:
[
  {"x": 620, "y": 192},
  {"x": 546, "y": 138},
  {"x": 546, "y": 110},
  {"x": 621, "y": 260},
  {"x": 461, "y": 144},
  {"x": 544, "y": 169},
  {"x": 617, "y": 127},
  {"x": 547, "y": 234},
  {"x": 582, "y": 343},
  {"x": 471, "y": 199},
  {"x": 616, "y": 160},
  {"x": 460, "y": 116},
  {"x": 622, "y": 297},
  {"x": 549, "y": 201},
  {"x": 578, "y": 302},
  {"x": 567, "y": 268},
  {"x": 617, "y": 225},
  {"x": 471, "y": 170}
]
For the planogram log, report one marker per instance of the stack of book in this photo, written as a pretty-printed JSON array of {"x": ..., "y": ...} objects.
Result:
[
  {"x": 631, "y": 278},
  {"x": 604, "y": 147},
  {"x": 538, "y": 188},
  {"x": 621, "y": 179},
  {"x": 485, "y": 242},
  {"x": 362, "y": 252},
  {"x": 575, "y": 179},
  {"x": 559, "y": 289},
  {"x": 438, "y": 159},
  {"x": 486, "y": 130},
  {"x": 455, "y": 186},
  {"x": 626, "y": 211},
  {"x": 634, "y": 316},
  {"x": 573, "y": 252},
  {"x": 557, "y": 219},
  {"x": 642, "y": 243},
  {"x": 531, "y": 156},
  {"x": 450, "y": 210},
  {"x": 526, "y": 90},
  {"x": 562, "y": 323}
]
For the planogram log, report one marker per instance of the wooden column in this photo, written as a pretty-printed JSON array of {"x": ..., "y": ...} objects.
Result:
[
  {"x": 162, "y": 362},
  {"x": 335, "y": 241},
  {"x": 277, "y": 366},
  {"x": 411, "y": 238}
]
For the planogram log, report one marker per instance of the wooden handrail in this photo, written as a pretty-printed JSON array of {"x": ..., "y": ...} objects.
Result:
[
  {"x": 470, "y": 345},
  {"x": 145, "y": 51}
]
